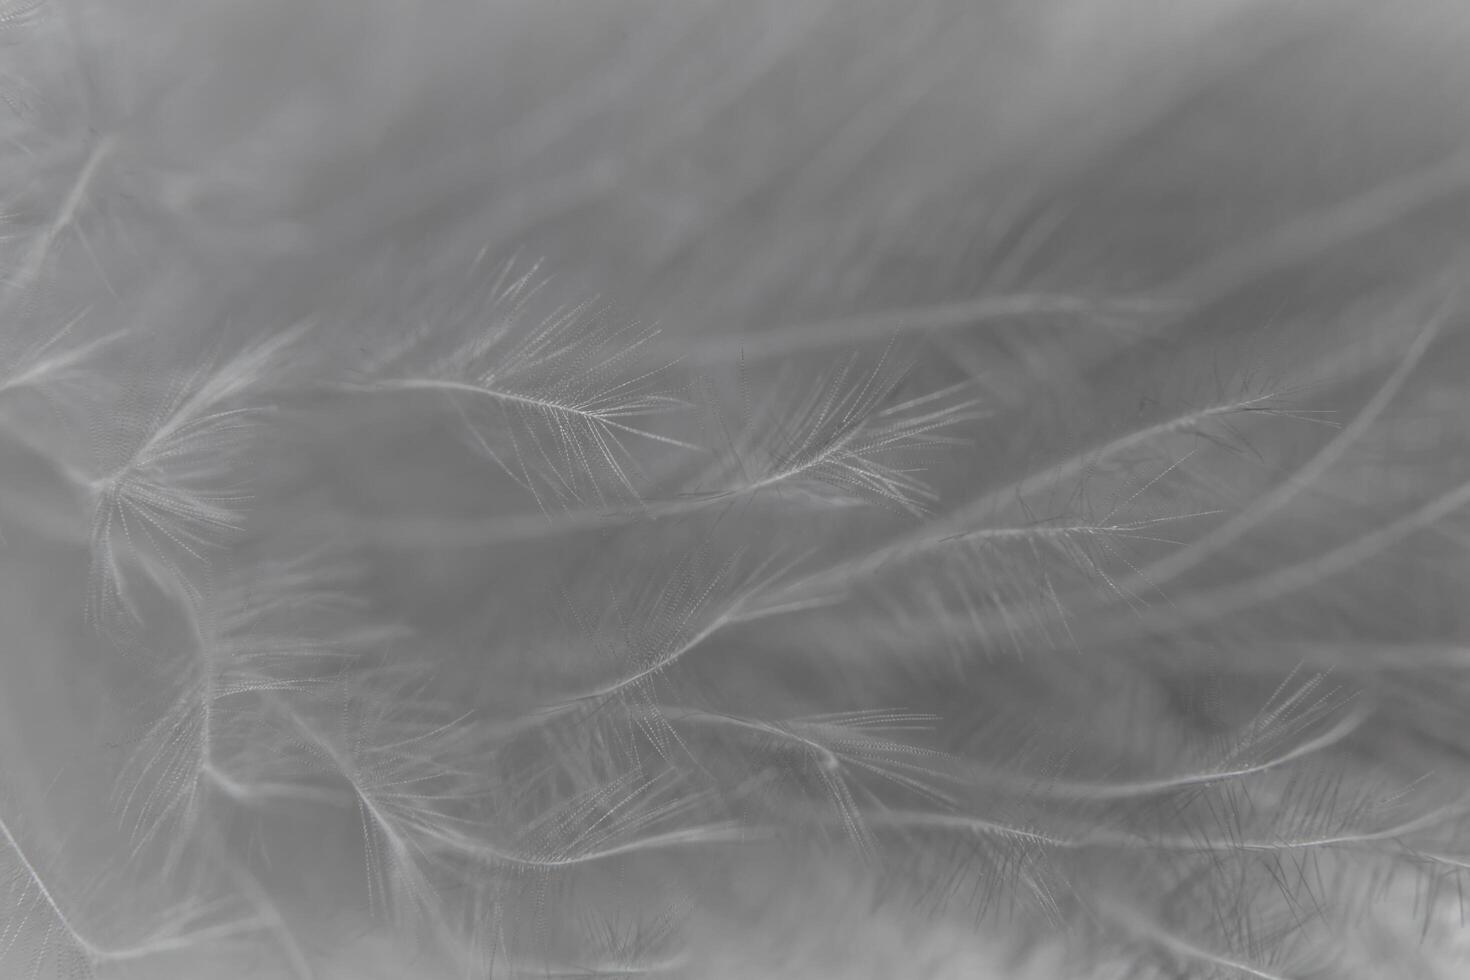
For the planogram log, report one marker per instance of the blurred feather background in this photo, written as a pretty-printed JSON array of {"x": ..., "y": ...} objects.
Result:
[{"x": 818, "y": 488}]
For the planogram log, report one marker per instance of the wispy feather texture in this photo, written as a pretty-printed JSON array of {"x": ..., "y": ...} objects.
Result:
[
  {"x": 50, "y": 932},
  {"x": 169, "y": 486},
  {"x": 780, "y": 489},
  {"x": 284, "y": 630},
  {"x": 849, "y": 439},
  {"x": 551, "y": 401}
]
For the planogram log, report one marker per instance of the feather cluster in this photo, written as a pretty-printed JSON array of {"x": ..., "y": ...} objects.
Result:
[{"x": 780, "y": 489}]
